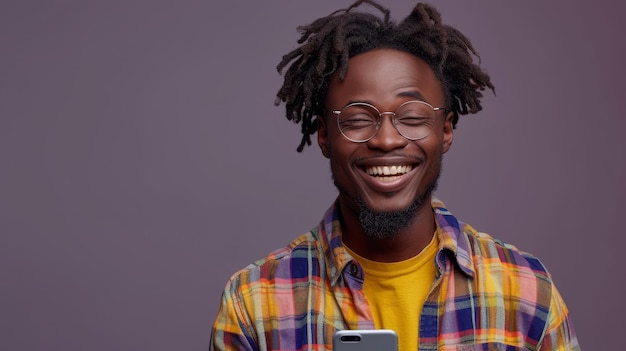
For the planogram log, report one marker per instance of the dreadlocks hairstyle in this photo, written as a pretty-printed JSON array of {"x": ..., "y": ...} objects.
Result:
[{"x": 329, "y": 42}]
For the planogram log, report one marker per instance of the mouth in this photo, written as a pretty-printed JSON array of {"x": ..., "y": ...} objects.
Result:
[{"x": 388, "y": 173}]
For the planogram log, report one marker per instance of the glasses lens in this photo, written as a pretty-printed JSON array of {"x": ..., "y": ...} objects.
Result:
[
  {"x": 358, "y": 122},
  {"x": 415, "y": 119}
]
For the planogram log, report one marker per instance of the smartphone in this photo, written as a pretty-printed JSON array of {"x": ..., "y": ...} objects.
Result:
[{"x": 365, "y": 340}]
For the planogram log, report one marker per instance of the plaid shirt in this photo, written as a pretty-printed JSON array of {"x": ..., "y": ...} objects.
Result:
[{"x": 487, "y": 295}]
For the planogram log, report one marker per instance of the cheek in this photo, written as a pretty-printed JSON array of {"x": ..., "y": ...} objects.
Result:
[
  {"x": 341, "y": 154},
  {"x": 434, "y": 158},
  {"x": 338, "y": 146}
]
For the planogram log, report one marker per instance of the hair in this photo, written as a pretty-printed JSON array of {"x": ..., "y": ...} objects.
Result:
[{"x": 329, "y": 42}]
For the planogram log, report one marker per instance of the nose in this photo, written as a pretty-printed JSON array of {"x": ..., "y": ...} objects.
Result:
[{"x": 387, "y": 138}]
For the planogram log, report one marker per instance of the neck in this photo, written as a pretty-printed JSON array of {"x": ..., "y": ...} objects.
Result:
[{"x": 407, "y": 243}]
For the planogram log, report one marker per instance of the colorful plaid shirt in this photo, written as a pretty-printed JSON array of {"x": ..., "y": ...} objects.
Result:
[{"x": 487, "y": 295}]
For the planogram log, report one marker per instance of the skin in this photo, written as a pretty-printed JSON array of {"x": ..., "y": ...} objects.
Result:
[{"x": 385, "y": 78}]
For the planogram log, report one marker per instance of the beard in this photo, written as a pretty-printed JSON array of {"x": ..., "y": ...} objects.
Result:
[{"x": 387, "y": 224}]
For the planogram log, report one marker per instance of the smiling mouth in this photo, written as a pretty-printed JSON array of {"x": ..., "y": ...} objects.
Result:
[{"x": 388, "y": 173}]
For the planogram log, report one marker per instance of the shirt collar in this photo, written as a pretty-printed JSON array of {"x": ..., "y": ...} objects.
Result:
[{"x": 453, "y": 239}]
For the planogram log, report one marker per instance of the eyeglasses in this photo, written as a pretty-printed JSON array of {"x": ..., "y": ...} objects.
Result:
[{"x": 360, "y": 121}]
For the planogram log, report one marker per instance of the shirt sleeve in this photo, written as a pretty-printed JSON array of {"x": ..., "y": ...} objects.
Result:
[
  {"x": 230, "y": 331},
  {"x": 560, "y": 334}
]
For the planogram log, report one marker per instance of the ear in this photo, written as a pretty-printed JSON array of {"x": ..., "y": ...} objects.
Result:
[
  {"x": 322, "y": 135},
  {"x": 448, "y": 131}
]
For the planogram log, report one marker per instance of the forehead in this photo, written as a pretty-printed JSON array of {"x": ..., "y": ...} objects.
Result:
[{"x": 385, "y": 77}]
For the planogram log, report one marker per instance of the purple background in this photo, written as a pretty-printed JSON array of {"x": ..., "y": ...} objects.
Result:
[{"x": 143, "y": 161}]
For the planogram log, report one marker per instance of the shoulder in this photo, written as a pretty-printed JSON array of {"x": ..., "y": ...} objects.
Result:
[
  {"x": 489, "y": 252},
  {"x": 288, "y": 262}
]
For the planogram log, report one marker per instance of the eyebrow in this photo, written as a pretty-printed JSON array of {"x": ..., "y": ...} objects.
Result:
[{"x": 413, "y": 94}]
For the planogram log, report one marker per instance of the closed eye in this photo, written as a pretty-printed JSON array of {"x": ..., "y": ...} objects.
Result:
[
  {"x": 414, "y": 121},
  {"x": 357, "y": 121}
]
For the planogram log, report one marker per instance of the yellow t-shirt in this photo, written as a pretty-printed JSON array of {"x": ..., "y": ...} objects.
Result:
[{"x": 396, "y": 292}]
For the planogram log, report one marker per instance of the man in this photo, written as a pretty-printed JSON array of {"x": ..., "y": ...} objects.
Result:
[{"x": 384, "y": 99}]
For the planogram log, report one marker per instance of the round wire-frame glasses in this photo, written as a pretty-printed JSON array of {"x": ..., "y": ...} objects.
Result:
[{"x": 361, "y": 121}]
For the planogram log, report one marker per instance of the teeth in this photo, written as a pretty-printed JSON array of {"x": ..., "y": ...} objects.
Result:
[{"x": 388, "y": 170}]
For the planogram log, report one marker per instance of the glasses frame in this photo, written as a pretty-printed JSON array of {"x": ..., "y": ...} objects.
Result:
[{"x": 394, "y": 120}]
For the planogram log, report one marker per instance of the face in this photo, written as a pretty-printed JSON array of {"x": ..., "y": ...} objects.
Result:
[{"x": 385, "y": 78}]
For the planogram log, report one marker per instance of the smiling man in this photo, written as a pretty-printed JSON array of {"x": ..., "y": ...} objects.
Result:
[{"x": 384, "y": 98}]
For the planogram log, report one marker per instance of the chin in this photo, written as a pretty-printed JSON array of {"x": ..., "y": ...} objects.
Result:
[{"x": 384, "y": 224}]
